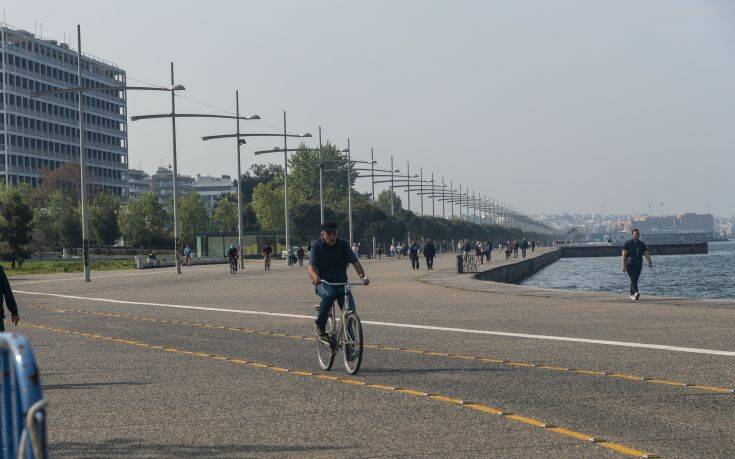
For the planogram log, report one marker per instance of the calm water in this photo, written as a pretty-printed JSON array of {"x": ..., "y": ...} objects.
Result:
[{"x": 691, "y": 276}]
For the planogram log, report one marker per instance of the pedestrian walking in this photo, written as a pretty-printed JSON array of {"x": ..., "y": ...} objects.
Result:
[
  {"x": 300, "y": 252},
  {"x": 524, "y": 247},
  {"x": 429, "y": 253},
  {"x": 632, "y": 261},
  {"x": 7, "y": 294},
  {"x": 413, "y": 254}
]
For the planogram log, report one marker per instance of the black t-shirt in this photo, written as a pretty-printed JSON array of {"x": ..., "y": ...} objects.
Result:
[
  {"x": 267, "y": 251},
  {"x": 331, "y": 261},
  {"x": 635, "y": 249}
]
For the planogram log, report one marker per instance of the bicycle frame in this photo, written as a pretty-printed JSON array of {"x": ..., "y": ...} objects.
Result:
[{"x": 340, "y": 333}]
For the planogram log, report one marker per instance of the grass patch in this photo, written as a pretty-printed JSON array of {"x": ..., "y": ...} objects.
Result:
[{"x": 65, "y": 266}]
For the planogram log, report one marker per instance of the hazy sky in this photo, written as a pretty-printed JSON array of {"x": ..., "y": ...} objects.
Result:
[{"x": 549, "y": 105}]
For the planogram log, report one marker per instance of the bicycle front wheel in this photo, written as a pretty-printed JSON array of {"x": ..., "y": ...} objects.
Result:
[
  {"x": 352, "y": 343},
  {"x": 325, "y": 345}
]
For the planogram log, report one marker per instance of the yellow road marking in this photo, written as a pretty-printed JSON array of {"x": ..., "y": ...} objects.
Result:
[
  {"x": 622, "y": 449},
  {"x": 512, "y": 363}
]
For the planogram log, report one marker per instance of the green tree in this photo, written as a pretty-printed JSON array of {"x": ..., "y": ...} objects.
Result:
[
  {"x": 224, "y": 215},
  {"x": 16, "y": 225},
  {"x": 154, "y": 217},
  {"x": 383, "y": 201},
  {"x": 304, "y": 173},
  {"x": 193, "y": 217},
  {"x": 259, "y": 173},
  {"x": 103, "y": 221},
  {"x": 305, "y": 221},
  {"x": 131, "y": 221},
  {"x": 268, "y": 205},
  {"x": 66, "y": 223}
]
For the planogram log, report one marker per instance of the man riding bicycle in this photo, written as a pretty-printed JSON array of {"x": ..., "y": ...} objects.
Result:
[
  {"x": 328, "y": 260},
  {"x": 232, "y": 255},
  {"x": 267, "y": 252}
]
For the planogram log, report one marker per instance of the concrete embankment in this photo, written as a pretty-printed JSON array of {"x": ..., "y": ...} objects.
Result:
[
  {"x": 580, "y": 251},
  {"x": 515, "y": 272}
]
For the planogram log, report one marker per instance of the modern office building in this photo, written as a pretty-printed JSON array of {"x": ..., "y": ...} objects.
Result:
[
  {"x": 139, "y": 182},
  {"x": 38, "y": 135},
  {"x": 212, "y": 188},
  {"x": 162, "y": 185}
]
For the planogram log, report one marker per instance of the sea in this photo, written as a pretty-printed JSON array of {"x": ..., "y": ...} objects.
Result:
[{"x": 710, "y": 275}]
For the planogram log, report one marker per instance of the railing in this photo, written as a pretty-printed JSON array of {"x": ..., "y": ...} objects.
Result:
[{"x": 23, "y": 422}]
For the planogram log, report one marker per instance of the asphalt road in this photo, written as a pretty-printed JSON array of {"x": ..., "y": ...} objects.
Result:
[{"x": 150, "y": 363}]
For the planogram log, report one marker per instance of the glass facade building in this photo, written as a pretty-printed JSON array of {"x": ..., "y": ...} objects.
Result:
[{"x": 38, "y": 135}]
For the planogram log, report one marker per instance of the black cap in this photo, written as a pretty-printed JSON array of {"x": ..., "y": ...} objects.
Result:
[{"x": 329, "y": 226}]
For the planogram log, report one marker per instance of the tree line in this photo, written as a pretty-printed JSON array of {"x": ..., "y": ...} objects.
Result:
[{"x": 47, "y": 218}]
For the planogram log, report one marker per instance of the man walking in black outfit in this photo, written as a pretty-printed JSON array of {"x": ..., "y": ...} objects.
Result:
[
  {"x": 413, "y": 253},
  {"x": 429, "y": 253},
  {"x": 7, "y": 294},
  {"x": 632, "y": 259}
]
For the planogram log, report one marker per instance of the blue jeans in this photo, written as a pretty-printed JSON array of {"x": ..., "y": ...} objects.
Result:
[{"x": 328, "y": 294}]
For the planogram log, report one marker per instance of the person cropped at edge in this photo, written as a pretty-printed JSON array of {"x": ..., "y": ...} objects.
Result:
[
  {"x": 429, "y": 253},
  {"x": 632, "y": 261},
  {"x": 7, "y": 294},
  {"x": 328, "y": 260}
]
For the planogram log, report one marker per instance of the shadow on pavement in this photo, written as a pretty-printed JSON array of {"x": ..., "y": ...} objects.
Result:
[
  {"x": 92, "y": 385},
  {"x": 126, "y": 447}
]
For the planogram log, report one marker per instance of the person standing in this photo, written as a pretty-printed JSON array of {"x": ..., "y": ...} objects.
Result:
[
  {"x": 300, "y": 252},
  {"x": 524, "y": 247},
  {"x": 7, "y": 294},
  {"x": 413, "y": 254},
  {"x": 429, "y": 253},
  {"x": 632, "y": 261}
]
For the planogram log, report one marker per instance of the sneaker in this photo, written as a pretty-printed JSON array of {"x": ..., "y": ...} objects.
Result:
[
  {"x": 319, "y": 330},
  {"x": 632, "y": 297},
  {"x": 637, "y": 295}
]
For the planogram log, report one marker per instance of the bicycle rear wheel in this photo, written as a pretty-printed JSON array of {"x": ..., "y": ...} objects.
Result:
[
  {"x": 352, "y": 343},
  {"x": 325, "y": 346}
]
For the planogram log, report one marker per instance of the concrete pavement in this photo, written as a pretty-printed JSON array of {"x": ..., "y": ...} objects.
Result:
[{"x": 155, "y": 364}]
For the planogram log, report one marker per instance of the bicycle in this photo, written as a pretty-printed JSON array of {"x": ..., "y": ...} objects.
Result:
[
  {"x": 233, "y": 265},
  {"x": 345, "y": 334}
]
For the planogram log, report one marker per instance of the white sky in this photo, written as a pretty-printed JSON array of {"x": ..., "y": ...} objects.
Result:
[{"x": 551, "y": 106}]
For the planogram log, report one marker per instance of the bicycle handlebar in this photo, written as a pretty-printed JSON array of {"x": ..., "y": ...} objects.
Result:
[{"x": 341, "y": 284}]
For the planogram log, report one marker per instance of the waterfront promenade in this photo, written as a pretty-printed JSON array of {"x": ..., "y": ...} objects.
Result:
[{"x": 147, "y": 363}]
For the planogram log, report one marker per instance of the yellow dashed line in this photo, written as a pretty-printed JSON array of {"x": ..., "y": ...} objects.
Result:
[
  {"x": 480, "y": 407},
  {"x": 511, "y": 363}
]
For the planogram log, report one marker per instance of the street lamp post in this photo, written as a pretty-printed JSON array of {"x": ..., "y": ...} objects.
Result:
[
  {"x": 421, "y": 190},
  {"x": 392, "y": 212},
  {"x": 82, "y": 163},
  {"x": 321, "y": 179},
  {"x": 349, "y": 189}
]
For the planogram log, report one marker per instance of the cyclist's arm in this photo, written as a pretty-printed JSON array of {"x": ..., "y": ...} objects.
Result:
[
  {"x": 314, "y": 274},
  {"x": 359, "y": 269}
]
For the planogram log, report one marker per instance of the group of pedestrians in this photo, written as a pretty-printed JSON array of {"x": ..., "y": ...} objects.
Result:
[{"x": 511, "y": 248}]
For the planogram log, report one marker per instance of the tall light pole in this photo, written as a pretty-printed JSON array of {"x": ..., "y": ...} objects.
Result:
[
  {"x": 321, "y": 179},
  {"x": 372, "y": 175},
  {"x": 408, "y": 186},
  {"x": 451, "y": 187},
  {"x": 421, "y": 190},
  {"x": 175, "y": 177},
  {"x": 83, "y": 162},
  {"x": 239, "y": 181},
  {"x": 433, "y": 201},
  {"x": 444, "y": 214},
  {"x": 349, "y": 189},
  {"x": 285, "y": 184},
  {"x": 392, "y": 212}
]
